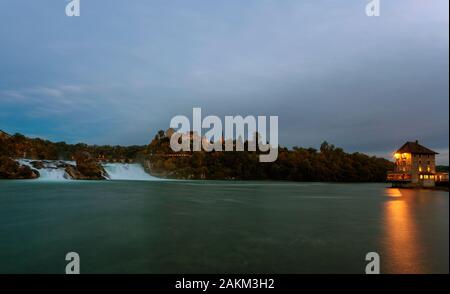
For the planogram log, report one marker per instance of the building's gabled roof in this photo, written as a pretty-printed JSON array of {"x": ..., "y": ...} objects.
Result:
[{"x": 415, "y": 148}]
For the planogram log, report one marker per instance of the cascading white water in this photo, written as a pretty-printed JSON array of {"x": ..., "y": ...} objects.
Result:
[
  {"x": 53, "y": 174},
  {"x": 54, "y": 171},
  {"x": 127, "y": 171}
]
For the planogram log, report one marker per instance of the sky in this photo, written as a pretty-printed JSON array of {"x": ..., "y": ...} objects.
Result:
[{"x": 121, "y": 70}]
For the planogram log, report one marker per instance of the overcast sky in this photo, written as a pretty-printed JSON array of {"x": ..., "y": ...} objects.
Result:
[{"x": 119, "y": 72}]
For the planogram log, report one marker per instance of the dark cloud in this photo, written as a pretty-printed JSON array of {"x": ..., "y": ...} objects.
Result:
[{"x": 122, "y": 70}]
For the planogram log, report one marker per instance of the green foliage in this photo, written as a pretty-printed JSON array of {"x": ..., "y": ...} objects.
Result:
[
  {"x": 19, "y": 146},
  {"x": 442, "y": 168},
  {"x": 329, "y": 163},
  {"x": 299, "y": 164}
]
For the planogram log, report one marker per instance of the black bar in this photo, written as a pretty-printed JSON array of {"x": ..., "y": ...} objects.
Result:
[{"x": 143, "y": 283}]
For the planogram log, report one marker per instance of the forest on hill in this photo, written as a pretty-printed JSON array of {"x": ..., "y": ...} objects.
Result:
[
  {"x": 19, "y": 146},
  {"x": 328, "y": 163}
]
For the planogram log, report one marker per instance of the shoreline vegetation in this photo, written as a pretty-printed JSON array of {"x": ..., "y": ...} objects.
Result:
[{"x": 327, "y": 164}]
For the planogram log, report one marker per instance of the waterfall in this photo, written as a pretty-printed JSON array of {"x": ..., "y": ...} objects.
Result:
[
  {"x": 54, "y": 170},
  {"x": 127, "y": 171},
  {"x": 53, "y": 174}
]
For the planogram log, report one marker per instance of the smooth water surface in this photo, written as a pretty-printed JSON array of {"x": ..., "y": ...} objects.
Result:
[{"x": 220, "y": 227}]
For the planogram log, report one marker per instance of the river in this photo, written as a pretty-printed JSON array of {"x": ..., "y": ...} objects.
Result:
[{"x": 220, "y": 227}]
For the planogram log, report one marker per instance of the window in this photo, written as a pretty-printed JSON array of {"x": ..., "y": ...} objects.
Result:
[{"x": 421, "y": 177}]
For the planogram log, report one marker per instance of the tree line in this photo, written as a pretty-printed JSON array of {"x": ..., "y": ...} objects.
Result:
[
  {"x": 329, "y": 163},
  {"x": 19, "y": 146}
]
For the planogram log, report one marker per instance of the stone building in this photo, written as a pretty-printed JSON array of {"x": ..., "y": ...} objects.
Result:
[{"x": 415, "y": 166}]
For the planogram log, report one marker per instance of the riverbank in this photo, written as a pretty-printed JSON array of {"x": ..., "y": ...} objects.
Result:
[{"x": 438, "y": 187}]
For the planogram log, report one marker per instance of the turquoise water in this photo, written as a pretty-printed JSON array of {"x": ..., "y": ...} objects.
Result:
[{"x": 221, "y": 227}]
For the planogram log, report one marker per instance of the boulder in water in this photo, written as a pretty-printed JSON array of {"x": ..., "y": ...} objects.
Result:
[
  {"x": 88, "y": 168},
  {"x": 37, "y": 164},
  {"x": 61, "y": 164},
  {"x": 11, "y": 169},
  {"x": 74, "y": 173}
]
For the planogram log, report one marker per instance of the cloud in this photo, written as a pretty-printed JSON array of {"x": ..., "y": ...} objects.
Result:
[
  {"x": 45, "y": 91},
  {"x": 329, "y": 71},
  {"x": 43, "y": 101}
]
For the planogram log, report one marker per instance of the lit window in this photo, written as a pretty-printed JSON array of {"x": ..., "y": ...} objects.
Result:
[{"x": 421, "y": 177}]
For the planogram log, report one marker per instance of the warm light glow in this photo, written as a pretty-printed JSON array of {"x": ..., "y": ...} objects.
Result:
[
  {"x": 401, "y": 240},
  {"x": 397, "y": 156},
  {"x": 394, "y": 192}
]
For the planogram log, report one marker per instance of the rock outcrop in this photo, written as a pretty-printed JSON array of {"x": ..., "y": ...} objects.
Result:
[
  {"x": 53, "y": 164},
  {"x": 11, "y": 169},
  {"x": 37, "y": 164},
  {"x": 87, "y": 168},
  {"x": 73, "y": 173}
]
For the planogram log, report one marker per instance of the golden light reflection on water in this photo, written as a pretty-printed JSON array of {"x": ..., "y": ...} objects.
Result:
[
  {"x": 401, "y": 243},
  {"x": 394, "y": 192}
]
